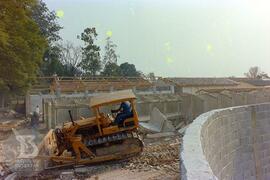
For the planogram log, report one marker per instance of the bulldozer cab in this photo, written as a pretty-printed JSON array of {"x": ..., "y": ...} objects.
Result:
[{"x": 106, "y": 121}]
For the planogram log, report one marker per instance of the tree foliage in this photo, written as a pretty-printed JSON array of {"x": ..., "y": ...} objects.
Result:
[
  {"x": 47, "y": 22},
  {"x": 49, "y": 28},
  {"x": 70, "y": 56},
  {"x": 151, "y": 76},
  {"x": 91, "y": 61},
  {"x": 52, "y": 64},
  {"x": 128, "y": 70},
  {"x": 111, "y": 69},
  {"x": 110, "y": 55},
  {"x": 21, "y": 45},
  {"x": 255, "y": 73},
  {"x": 110, "y": 59}
]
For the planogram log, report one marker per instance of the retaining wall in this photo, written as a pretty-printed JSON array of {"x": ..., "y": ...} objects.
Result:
[{"x": 231, "y": 143}]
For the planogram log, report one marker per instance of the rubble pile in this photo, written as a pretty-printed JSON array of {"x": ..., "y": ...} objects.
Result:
[
  {"x": 9, "y": 114},
  {"x": 7, "y": 126},
  {"x": 10, "y": 119},
  {"x": 160, "y": 156},
  {"x": 4, "y": 170}
]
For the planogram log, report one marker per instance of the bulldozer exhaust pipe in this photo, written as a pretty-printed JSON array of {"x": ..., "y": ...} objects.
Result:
[{"x": 71, "y": 118}]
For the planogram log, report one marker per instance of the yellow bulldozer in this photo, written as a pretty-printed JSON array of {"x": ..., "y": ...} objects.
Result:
[{"x": 95, "y": 139}]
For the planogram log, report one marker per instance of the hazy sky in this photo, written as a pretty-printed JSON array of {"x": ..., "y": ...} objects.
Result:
[{"x": 176, "y": 37}]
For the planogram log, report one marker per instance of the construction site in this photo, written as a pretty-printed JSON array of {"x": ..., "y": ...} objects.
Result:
[
  {"x": 167, "y": 111},
  {"x": 134, "y": 89}
]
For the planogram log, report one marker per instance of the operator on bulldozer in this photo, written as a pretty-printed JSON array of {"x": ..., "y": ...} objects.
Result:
[{"x": 124, "y": 112}]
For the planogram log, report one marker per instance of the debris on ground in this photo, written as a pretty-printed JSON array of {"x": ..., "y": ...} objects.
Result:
[
  {"x": 10, "y": 119},
  {"x": 160, "y": 135},
  {"x": 9, "y": 114},
  {"x": 67, "y": 175},
  {"x": 159, "y": 160},
  {"x": 162, "y": 155},
  {"x": 7, "y": 126},
  {"x": 4, "y": 170}
]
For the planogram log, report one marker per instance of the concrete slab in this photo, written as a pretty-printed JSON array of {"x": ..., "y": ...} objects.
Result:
[
  {"x": 158, "y": 123},
  {"x": 160, "y": 135},
  {"x": 168, "y": 126}
]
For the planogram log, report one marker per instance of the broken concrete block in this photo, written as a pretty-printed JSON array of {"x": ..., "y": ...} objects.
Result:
[
  {"x": 168, "y": 126},
  {"x": 180, "y": 125},
  {"x": 160, "y": 135},
  {"x": 156, "y": 122},
  {"x": 67, "y": 175},
  {"x": 11, "y": 176},
  {"x": 81, "y": 170}
]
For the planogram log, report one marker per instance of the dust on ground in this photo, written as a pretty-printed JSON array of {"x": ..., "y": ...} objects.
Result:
[{"x": 159, "y": 160}]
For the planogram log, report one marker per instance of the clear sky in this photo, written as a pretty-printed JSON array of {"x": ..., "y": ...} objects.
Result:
[{"x": 196, "y": 38}]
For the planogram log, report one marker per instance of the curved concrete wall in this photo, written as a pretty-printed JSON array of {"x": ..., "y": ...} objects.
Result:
[{"x": 231, "y": 143}]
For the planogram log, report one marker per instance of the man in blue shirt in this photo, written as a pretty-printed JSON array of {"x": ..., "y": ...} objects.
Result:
[{"x": 124, "y": 112}]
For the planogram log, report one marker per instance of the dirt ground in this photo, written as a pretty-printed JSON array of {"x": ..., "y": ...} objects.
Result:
[{"x": 159, "y": 160}]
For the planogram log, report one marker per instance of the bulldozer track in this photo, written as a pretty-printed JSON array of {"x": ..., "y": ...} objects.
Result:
[
  {"x": 111, "y": 138},
  {"x": 132, "y": 137}
]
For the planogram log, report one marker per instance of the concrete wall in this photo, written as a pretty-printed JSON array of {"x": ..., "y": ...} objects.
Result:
[
  {"x": 175, "y": 106},
  {"x": 33, "y": 100},
  {"x": 172, "y": 105},
  {"x": 232, "y": 143}
]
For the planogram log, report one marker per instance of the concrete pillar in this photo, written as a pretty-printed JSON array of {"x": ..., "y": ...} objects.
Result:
[
  {"x": 58, "y": 92},
  {"x": 164, "y": 107},
  {"x": 54, "y": 112},
  {"x": 43, "y": 110},
  {"x": 134, "y": 89},
  {"x": 49, "y": 115},
  {"x": 178, "y": 107},
  {"x": 172, "y": 89},
  {"x": 191, "y": 109},
  {"x": 86, "y": 93},
  {"x": 155, "y": 89},
  {"x": 111, "y": 89},
  {"x": 150, "y": 107},
  {"x": 27, "y": 103},
  {"x": 55, "y": 117},
  {"x": 76, "y": 112}
]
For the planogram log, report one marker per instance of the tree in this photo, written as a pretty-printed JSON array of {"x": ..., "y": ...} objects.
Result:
[
  {"x": 91, "y": 63},
  {"x": 47, "y": 22},
  {"x": 110, "y": 55},
  {"x": 111, "y": 69},
  {"x": 151, "y": 76},
  {"x": 255, "y": 73},
  {"x": 70, "y": 56},
  {"x": 129, "y": 70},
  {"x": 49, "y": 29},
  {"x": 21, "y": 46},
  {"x": 110, "y": 59},
  {"x": 52, "y": 64}
]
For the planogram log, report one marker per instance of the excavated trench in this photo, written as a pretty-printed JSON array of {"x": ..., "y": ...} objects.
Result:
[{"x": 231, "y": 143}]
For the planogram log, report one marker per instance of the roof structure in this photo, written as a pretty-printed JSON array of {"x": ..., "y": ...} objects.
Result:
[
  {"x": 187, "y": 82},
  {"x": 112, "y": 97},
  {"x": 99, "y": 83},
  {"x": 92, "y": 84},
  {"x": 242, "y": 86},
  {"x": 254, "y": 82}
]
